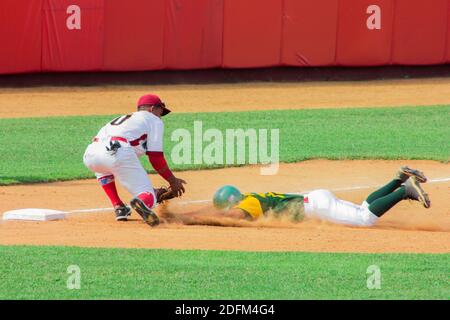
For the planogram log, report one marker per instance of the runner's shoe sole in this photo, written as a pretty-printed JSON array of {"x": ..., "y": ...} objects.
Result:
[
  {"x": 416, "y": 192},
  {"x": 414, "y": 173}
]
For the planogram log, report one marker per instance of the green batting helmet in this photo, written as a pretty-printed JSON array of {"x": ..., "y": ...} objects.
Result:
[{"x": 226, "y": 197}]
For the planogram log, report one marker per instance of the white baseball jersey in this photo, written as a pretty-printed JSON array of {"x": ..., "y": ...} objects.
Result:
[{"x": 143, "y": 130}]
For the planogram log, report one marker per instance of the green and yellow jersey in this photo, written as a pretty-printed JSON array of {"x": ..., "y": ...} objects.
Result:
[{"x": 258, "y": 204}]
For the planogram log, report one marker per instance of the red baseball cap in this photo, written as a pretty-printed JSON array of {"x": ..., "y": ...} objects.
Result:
[{"x": 152, "y": 100}]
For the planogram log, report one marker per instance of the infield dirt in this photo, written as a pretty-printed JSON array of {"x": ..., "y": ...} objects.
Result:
[{"x": 407, "y": 228}]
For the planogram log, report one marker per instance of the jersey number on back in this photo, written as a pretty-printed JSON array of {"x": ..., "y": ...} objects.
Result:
[{"x": 119, "y": 120}]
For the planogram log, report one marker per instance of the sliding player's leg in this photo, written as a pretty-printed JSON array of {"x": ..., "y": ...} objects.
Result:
[
  {"x": 401, "y": 177},
  {"x": 324, "y": 205}
]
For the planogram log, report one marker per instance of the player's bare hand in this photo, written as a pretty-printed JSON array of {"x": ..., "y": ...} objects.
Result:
[{"x": 176, "y": 184}]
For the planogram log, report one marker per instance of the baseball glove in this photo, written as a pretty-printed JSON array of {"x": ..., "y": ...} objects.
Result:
[{"x": 164, "y": 193}]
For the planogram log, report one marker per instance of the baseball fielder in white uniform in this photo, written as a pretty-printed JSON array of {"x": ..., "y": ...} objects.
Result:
[{"x": 114, "y": 154}]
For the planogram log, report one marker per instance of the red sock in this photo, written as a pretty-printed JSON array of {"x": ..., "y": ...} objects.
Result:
[
  {"x": 108, "y": 184},
  {"x": 147, "y": 198}
]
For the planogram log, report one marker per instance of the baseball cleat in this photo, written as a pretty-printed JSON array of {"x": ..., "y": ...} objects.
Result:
[
  {"x": 405, "y": 172},
  {"x": 415, "y": 192},
  {"x": 122, "y": 212},
  {"x": 147, "y": 215}
]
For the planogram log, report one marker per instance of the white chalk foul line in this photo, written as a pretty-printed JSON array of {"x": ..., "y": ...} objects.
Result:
[
  {"x": 437, "y": 180},
  {"x": 440, "y": 180}
]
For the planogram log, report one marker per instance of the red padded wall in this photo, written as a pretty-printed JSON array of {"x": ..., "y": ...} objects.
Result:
[
  {"x": 134, "y": 34},
  {"x": 448, "y": 32},
  {"x": 419, "y": 31},
  {"x": 20, "y": 33},
  {"x": 364, "y": 32},
  {"x": 252, "y": 33},
  {"x": 309, "y": 32},
  {"x": 193, "y": 34},
  {"x": 67, "y": 49},
  {"x": 190, "y": 34}
]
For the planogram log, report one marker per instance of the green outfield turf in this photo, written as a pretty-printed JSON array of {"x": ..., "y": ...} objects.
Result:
[
  {"x": 51, "y": 149},
  {"x": 42, "y": 272}
]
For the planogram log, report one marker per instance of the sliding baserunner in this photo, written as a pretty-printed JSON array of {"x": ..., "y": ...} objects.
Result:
[{"x": 323, "y": 204}]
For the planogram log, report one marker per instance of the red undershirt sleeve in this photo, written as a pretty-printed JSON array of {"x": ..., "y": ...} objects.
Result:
[{"x": 159, "y": 163}]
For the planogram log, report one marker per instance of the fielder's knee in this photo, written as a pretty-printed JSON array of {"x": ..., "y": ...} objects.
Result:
[{"x": 148, "y": 198}]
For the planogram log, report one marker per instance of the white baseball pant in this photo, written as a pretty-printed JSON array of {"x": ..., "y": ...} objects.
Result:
[
  {"x": 323, "y": 204},
  {"x": 124, "y": 165}
]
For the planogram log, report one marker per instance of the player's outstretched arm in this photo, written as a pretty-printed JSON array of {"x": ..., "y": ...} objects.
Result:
[
  {"x": 160, "y": 165},
  {"x": 235, "y": 213}
]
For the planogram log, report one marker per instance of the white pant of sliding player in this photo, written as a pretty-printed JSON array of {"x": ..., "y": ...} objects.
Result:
[{"x": 324, "y": 205}]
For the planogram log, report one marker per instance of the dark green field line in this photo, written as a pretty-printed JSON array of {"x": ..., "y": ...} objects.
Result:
[
  {"x": 51, "y": 149},
  {"x": 28, "y": 272}
]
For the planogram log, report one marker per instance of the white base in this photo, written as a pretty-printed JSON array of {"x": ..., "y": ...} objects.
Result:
[{"x": 34, "y": 215}]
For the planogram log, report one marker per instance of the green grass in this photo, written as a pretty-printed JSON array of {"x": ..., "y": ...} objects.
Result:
[
  {"x": 41, "y": 272},
  {"x": 51, "y": 149}
]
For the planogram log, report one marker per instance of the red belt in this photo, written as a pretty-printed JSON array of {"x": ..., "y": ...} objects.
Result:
[
  {"x": 119, "y": 139},
  {"x": 134, "y": 143}
]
